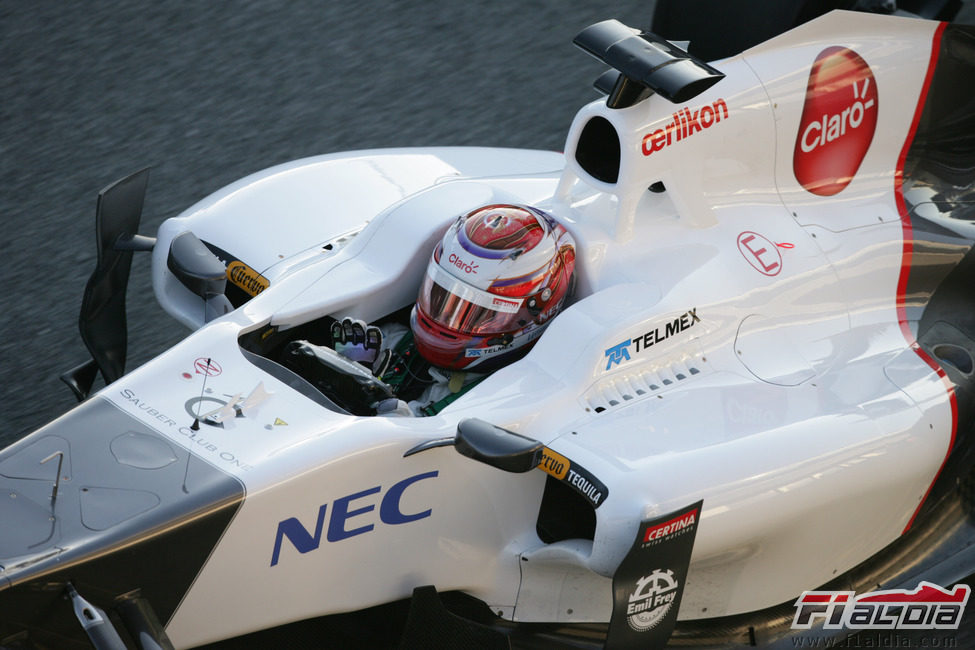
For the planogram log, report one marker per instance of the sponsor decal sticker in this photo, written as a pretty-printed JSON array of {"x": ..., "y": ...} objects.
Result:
[
  {"x": 685, "y": 123},
  {"x": 197, "y": 440},
  {"x": 651, "y": 600},
  {"x": 225, "y": 411},
  {"x": 507, "y": 306},
  {"x": 351, "y": 515},
  {"x": 620, "y": 352},
  {"x": 926, "y": 607},
  {"x": 649, "y": 583},
  {"x": 480, "y": 352},
  {"x": 207, "y": 366},
  {"x": 579, "y": 478},
  {"x": 762, "y": 254},
  {"x": 838, "y": 121},
  {"x": 554, "y": 464},
  {"x": 246, "y": 278},
  {"x": 671, "y": 527},
  {"x": 466, "y": 267}
]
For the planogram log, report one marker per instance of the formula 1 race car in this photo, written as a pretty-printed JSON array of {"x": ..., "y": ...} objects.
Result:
[{"x": 757, "y": 393}]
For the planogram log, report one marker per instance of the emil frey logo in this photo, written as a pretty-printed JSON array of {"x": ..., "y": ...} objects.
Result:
[
  {"x": 838, "y": 121},
  {"x": 651, "y": 600},
  {"x": 927, "y": 607}
]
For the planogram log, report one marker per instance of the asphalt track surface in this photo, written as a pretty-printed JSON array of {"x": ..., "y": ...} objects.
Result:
[{"x": 206, "y": 93}]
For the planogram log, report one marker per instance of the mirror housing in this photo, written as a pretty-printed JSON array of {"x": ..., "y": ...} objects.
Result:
[
  {"x": 497, "y": 447},
  {"x": 195, "y": 266}
]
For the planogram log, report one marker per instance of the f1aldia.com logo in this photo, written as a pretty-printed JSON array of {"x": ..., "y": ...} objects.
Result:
[
  {"x": 927, "y": 607},
  {"x": 838, "y": 121}
]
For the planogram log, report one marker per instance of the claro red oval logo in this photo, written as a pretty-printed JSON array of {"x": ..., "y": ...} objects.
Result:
[{"x": 838, "y": 121}]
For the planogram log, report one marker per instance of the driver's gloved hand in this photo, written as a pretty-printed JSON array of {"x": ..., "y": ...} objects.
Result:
[{"x": 356, "y": 341}]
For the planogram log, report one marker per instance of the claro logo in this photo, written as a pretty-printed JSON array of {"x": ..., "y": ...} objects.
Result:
[{"x": 838, "y": 121}]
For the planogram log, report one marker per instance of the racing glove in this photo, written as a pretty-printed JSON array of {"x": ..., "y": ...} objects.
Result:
[{"x": 356, "y": 341}]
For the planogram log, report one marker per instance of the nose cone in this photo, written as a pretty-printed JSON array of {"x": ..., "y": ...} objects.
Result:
[{"x": 99, "y": 498}]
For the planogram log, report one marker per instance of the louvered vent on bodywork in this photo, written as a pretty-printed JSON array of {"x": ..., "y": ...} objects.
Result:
[
  {"x": 643, "y": 382},
  {"x": 341, "y": 240}
]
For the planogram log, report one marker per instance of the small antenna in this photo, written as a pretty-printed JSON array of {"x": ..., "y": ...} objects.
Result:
[
  {"x": 57, "y": 479},
  {"x": 196, "y": 421}
]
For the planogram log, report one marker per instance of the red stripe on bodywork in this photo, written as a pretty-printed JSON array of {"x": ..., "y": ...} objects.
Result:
[
  {"x": 906, "y": 263},
  {"x": 924, "y": 593}
]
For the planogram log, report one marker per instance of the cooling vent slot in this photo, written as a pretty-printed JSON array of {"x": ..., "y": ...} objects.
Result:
[
  {"x": 341, "y": 240},
  {"x": 627, "y": 388}
]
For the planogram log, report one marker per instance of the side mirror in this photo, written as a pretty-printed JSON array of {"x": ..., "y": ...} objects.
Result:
[
  {"x": 497, "y": 447},
  {"x": 200, "y": 271},
  {"x": 513, "y": 452},
  {"x": 196, "y": 267}
]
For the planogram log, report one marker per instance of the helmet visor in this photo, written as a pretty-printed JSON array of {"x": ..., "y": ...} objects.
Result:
[{"x": 458, "y": 306}]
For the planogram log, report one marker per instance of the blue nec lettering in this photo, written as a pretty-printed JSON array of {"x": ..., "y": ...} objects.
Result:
[
  {"x": 298, "y": 535},
  {"x": 389, "y": 511},
  {"x": 349, "y": 519},
  {"x": 341, "y": 513}
]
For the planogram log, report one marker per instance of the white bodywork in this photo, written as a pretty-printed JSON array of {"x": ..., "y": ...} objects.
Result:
[{"x": 793, "y": 407}]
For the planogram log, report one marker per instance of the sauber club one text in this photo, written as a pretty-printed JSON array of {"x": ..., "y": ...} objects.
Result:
[
  {"x": 198, "y": 438},
  {"x": 685, "y": 123},
  {"x": 390, "y": 513}
]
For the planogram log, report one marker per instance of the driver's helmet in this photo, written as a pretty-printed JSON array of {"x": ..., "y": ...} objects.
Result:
[{"x": 498, "y": 276}]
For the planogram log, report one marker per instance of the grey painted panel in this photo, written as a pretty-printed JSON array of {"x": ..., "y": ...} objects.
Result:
[{"x": 120, "y": 481}]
